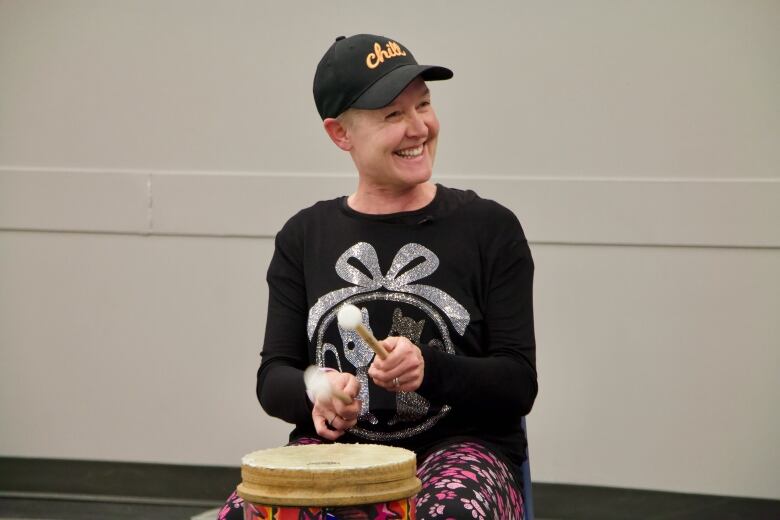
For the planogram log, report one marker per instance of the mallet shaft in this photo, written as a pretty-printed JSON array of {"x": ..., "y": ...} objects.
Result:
[{"x": 371, "y": 340}]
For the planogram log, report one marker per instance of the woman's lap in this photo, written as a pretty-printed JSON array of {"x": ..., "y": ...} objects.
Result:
[{"x": 466, "y": 480}]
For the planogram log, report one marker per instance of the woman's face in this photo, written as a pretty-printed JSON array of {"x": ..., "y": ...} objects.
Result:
[{"x": 395, "y": 146}]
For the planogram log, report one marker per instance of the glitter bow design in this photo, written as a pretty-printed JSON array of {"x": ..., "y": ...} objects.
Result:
[{"x": 394, "y": 280}]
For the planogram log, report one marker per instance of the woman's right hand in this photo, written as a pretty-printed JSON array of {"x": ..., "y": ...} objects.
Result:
[{"x": 331, "y": 416}]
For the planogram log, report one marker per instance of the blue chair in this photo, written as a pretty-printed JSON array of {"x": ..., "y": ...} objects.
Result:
[{"x": 528, "y": 496}]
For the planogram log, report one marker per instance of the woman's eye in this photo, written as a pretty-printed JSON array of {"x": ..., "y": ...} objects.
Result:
[
  {"x": 392, "y": 115},
  {"x": 425, "y": 104}
]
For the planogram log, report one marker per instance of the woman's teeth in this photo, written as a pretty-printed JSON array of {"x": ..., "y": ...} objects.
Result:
[{"x": 410, "y": 152}]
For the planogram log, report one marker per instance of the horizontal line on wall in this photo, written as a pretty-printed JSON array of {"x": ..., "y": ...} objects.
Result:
[
  {"x": 670, "y": 246},
  {"x": 352, "y": 176},
  {"x": 270, "y": 237},
  {"x": 725, "y": 213}
]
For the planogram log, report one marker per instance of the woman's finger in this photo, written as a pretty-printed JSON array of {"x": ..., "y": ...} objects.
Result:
[{"x": 325, "y": 430}]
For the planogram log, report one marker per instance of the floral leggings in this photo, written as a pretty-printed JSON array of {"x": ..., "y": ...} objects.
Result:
[{"x": 462, "y": 481}]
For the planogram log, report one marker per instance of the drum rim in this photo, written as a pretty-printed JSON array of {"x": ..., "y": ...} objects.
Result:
[{"x": 297, "y": 496}]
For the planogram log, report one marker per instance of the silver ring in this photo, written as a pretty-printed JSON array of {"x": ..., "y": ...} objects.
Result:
[{"x": 396, "y": 383}]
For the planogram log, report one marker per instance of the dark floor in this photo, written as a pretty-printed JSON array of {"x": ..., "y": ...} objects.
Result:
[
  {"x": 587, "y": 502},
  {"x": 553, "y": 503},
  {"x": 25, "y": 508},
  {"x": 94, "y": 490}
]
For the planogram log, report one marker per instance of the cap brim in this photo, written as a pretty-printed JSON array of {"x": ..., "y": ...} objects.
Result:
[{"x": 389, "y": 86}]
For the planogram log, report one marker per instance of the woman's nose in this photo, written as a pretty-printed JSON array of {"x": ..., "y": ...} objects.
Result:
[{"x": 416, "y": 126}]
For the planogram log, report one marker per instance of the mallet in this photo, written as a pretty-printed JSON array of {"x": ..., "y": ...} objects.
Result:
[
  {"x": 350, "y": 318},
  {"x": 318, "y": 384}
]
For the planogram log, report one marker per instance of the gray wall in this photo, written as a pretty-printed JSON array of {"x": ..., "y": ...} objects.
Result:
[{"x": 150, "y": 150}]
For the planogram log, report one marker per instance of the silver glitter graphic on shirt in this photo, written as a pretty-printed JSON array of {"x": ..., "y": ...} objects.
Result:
[
  {"x": 410, "y": 406},
  {"x": 360, "y": 355},
  {"x": 406, "y": 327},
  {"x": 399, "y": 278}
]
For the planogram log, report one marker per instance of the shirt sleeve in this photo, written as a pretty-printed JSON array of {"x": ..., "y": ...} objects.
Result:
[
  {"x": 280, "y": 386},
  {"x": 501, "y": 383}
]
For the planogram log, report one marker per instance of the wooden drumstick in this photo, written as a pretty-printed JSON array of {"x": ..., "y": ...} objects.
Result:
[
  {"x": 318, "y": 384},
  {"x": 350, "y": 318}
]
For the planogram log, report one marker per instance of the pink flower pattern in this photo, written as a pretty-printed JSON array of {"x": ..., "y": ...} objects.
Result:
[{"x": 465, "y": 480}]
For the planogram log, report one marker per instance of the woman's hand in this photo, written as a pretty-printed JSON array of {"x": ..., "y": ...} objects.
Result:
[
  {"x": 332, "y": 417},
  {"x": 402, "y": 370}
]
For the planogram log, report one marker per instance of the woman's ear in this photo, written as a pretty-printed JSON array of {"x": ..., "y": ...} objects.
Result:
[{"x": 337, "y": 133}]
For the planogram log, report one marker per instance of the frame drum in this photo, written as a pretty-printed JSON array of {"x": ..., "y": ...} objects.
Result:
[{"x": 329, "y": 481}]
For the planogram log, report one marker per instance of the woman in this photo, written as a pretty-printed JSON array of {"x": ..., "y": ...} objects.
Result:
[{"x": 443, "y": 274}]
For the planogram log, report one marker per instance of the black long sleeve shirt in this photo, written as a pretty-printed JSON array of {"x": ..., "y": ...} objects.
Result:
[{"x": 455, "y": 277}]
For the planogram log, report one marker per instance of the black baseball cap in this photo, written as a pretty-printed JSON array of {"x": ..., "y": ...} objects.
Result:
[{"x": 366, "y": 71}]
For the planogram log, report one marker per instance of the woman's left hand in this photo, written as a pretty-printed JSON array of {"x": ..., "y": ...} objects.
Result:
[{"x": 402, "y": 370}]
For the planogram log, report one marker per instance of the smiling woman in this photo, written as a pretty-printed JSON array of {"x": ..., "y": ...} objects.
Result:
[
  {"x": 393, "y": 149},
  {"x": 442, "y": 274}
]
